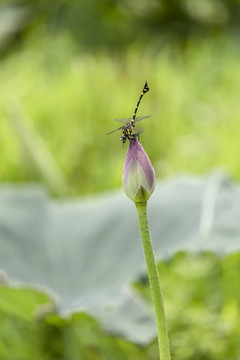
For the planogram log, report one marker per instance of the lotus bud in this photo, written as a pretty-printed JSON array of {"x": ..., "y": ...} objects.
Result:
[{"x": 138, "y": 174}]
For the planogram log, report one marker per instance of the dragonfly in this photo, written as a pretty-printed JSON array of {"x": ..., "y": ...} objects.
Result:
[{"x": 129, "y": 129}]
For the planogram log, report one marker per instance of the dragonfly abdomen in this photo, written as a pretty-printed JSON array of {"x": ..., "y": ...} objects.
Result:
[{"x": 145, "y": 89}]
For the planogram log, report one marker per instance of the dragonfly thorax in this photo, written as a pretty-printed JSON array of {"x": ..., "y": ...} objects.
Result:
[{"x": 127, "y": 130}]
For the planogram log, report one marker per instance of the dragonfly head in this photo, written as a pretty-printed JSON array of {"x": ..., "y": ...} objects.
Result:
[{"x": 123, "y": 138}]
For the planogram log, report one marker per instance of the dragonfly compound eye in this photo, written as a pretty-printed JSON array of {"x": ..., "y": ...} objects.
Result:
[{"x": 123, "y": 139}]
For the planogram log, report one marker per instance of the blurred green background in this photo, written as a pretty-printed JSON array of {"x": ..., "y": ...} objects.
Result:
[{"x": 67, "y": 70}]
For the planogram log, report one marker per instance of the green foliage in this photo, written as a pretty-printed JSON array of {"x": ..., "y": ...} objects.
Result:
[
  {"x": 202, "y": 300},
  {"x": 202, "y": 315},
  {"x": 19, "y": 332},
  {"x": 115, "y": 25}
]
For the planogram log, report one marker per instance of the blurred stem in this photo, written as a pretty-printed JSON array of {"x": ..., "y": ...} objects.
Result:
[
  {"x": 36, "y": 149},
  {"x": 153, "y": 275}
]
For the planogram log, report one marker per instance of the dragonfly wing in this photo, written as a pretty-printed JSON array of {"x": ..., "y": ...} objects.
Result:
[
  {"x": 138, "y": 130},
  {"x": 114, "y": 130},
  {"x": 142, "y": 118},
  {"x": 124, "y": 120}
]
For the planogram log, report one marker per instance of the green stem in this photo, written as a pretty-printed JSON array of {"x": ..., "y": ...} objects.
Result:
[{"x": 153, "y": 275}]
